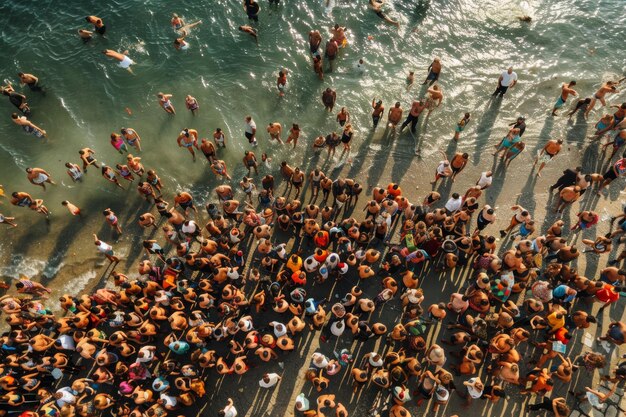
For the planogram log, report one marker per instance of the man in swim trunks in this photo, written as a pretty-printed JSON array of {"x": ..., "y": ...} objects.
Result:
[
  {"x": 132, "y": 138},
  {"x": 124, "y": 61},
  {"x": 22, "y": 199},
  {"x": 417, "y": 107},
  {"x": 434, "y": 69},
  {"x": 250, "y": 161},
  {"x": 618, "y": 169},
  {"x": 458, "y": 162},
  {"x": 166, "y": 103},
  {"x": 185, "y": 201},
  {"x": 275, "y": 129},
  {"x": 220, "y": 138},
  {"x": 189, "y": 139},
  {"x": 315, "y": 40},
  {"x": 28, "y": 126},
  {"x": 552, "y": 148},
  {"x": 609, "y": 87},
  {"x": 250, "y": 130},
  {"x": 73, "y": 171},
  {"x": 38, "y": 176},
  {"x": 208, "y": 149},
  {"x": 394, "y": 116},
  {"x": 376, "y": 6},
  {"x": 329, "y": 97},
  {"x": 98, "y": 24},
  {"x": 331, "y": 52},
  {"x": 566, "y": 90},
  {"x": 86, "y": 155},
  {"x": 31, "y": 81},
  {"x": 507, "y": 80},
  {"x": 17, "y": 99}
]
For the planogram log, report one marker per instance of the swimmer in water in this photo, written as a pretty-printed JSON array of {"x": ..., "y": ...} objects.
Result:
[
  {"x": 98, "y": 24},
  {"x": 250, "y": 31},
  {"x": 176, "y": 22},
  {"x": 124, "y": 61},
  {"x": 181, "y": 43},
  {"x": 377, "y": 6},
  {"x": 85, "y": 35}
]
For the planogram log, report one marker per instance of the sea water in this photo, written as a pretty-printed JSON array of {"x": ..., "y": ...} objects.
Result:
[{"x": 87, "y": 94}]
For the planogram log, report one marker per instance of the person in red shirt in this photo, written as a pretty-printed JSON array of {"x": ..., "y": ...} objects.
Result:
[
  {"x": 608, "y": 294},
  {"x": 394, "y": 190}
]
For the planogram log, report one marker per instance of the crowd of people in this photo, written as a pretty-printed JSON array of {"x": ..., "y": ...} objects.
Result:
[{"x": 299, "y": 256}]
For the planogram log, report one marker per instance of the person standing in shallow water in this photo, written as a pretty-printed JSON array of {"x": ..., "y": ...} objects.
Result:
[
  {"x": 378, "y": 111},
  {"x": 434, "y": 69},
  {"x": 329, "y": 97},
  {"x": 507, "y": 80}
]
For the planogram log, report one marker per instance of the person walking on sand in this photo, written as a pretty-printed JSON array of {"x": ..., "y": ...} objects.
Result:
[
  {"x": 123, "y": 60},
  {"x": 507, "y": 80},
  {"x": 106, "y": 249},
  {"x": 552, "y": 148},
  {"x": 38, "y": 176},
  {"x": 166, "y": 103},
  {"x": 566, "y": 90}
]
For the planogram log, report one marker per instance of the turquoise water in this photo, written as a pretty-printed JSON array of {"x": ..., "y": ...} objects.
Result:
[{"x": 231, "y": 77}]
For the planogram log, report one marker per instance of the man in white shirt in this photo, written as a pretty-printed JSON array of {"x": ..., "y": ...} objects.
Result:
[
  {"x": 229, "y": 410},
  {"x": 454, "y": 203},
  {"x": 486, "y": 178},
  {"x": 269, "y": 380},
  {"x": 507, "y": 80},
  {"x": 251, "y": 130}
]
